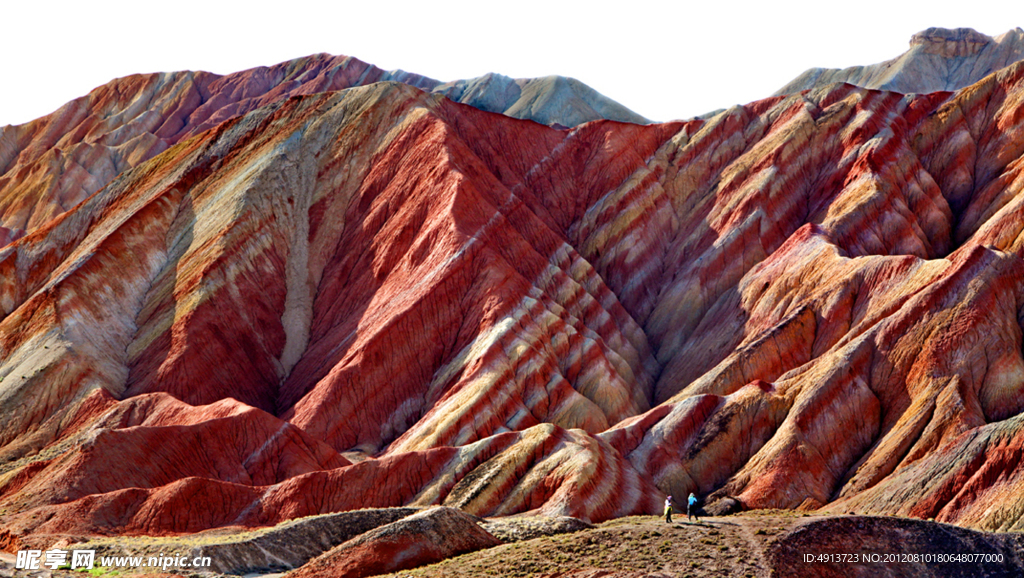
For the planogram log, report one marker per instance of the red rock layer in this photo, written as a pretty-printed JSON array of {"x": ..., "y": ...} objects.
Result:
[
  {"x": 806, "y": 301},
  {"x": 564, "y": 467},
  {"x": 166, "y": 440},
  {"x": 49, "y": 165},
  {"x": 423, "y": 538}
]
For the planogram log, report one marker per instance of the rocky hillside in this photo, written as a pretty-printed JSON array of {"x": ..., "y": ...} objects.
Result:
[
  {"x": 379, "y": 297},
  {"x": 754, "y": 545},
  {"x": 765, "y": 545},
  {"x": 939, "y": 59},
  {"x": 51, "y": 164}
]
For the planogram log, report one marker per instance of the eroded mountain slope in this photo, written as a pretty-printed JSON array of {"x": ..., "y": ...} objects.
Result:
[
  {"x": 49, "y": 165},
  {"x": 811, "y": 301}
]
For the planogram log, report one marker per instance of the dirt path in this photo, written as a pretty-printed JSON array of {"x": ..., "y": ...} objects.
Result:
[{"x": 755, "y": 532}]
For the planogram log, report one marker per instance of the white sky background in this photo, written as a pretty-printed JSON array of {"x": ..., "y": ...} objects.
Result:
[{"x": 664, "y": 60}]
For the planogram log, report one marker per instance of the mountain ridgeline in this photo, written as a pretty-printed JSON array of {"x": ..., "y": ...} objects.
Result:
[{"x": 235, "y": 301}]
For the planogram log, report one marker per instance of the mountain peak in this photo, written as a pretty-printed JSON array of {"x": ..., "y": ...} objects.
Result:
[
  {"x": 950, "y": 42},
  {"x": 939, "y": 59}
]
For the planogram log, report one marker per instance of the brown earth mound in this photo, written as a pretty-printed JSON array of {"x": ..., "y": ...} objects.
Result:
[
  {"x": 420, "y": 539},
  {"x": 519, "y": 528},
  {"x": 753, "y": 545},
  {"x": 283, "y": 547},
  {"x": 870, "y": 547}
]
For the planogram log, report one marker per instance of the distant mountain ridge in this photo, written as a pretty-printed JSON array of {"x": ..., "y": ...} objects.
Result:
[
  {"x": 550, "y": 100},
  {"x": 52, "y": 163},
  {"x": 939, "y": 59}
]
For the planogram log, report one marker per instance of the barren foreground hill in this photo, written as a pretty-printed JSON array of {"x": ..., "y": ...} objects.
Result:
[
  {"x": 764, "y": 544},
  {"x": 748, "y": 546},
  {"x": 379, "y": 297}
]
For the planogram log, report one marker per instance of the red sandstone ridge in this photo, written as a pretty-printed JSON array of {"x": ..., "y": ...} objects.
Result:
[
  {"x": 379, "y": 297},
  {"x": 51, "y": 164},
  {"x": 423, "y": 538}
]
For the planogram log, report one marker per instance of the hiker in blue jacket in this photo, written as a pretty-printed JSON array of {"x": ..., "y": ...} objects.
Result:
[{"x": 691, "y": 507}]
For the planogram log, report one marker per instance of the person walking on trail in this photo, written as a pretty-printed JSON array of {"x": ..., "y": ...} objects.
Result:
[
  {"x": 691, "y": 507},
  {"x": 668, "y": 510}
]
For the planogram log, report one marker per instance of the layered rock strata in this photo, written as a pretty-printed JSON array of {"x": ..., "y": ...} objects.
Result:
[
  {"x": 49, "y": 165},
  {"x": 420, "y": 539},
  {"x": 283, "y": 547},
  {"x": 378, "y": 297}
]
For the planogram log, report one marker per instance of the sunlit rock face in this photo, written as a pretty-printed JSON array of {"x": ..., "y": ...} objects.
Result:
[
  {"x": 938, "y": 59},
  {"x": 49, "y": 165},
  {"x": 380, "y": 297}
]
